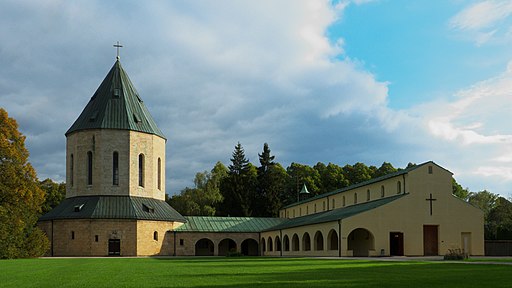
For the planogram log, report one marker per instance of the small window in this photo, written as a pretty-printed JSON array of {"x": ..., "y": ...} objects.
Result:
[
  {"x": 430, "y": 170},
  {"x": 136, "y": 118},
  {"x": 141, "y": 170},
  {"x": 333, "y": 206},
  {"x": 96, "y": 238},
  {"x": 315, "y": 207},
  {"x": 93, "y": 116},
  {"x": 382, "y": 191},
  {"x": 78, "y": 208},
  {"x": 115, "y": 169},
  {"x": 147, "y": 208},
  {"x": 293, "y": 212},
  {"x": 159, "y": 174},
  {"x": 72, "y": 235},
  {"x": 89, "y": 168},
  {"x": 116, "y": 93},
  {"x": 343, "y": 201},
  {"x": 300, "y": 211},
  {"x": 155, "y": 236},
  {"x": 368, "y": 195},
  {"x": 355, "y": 198},
  {"x": 182, "y": 242},
  {"x": 307, "y": 210},
  {"x": 323, "y": 206},
  {"x": 72, "y": 170},
  {"x": 398, "y": 187}
]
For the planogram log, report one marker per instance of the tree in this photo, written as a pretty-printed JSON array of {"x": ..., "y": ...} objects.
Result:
[
  {"x": 499, "y": 221},
  {"x": 202, "y": 200},
  {"x": 357, "y": 173},
  {"x": 20, "y": 196},
  {"x": 384, "y": 169},
  {"x": 331, "y": 177},
  {"x": 298, "y": 175},
  {"x": 459, "y": 191},
  {"x": 54, "y": 194},
  {"x": 484, "y": 200},
  {"x": 271, "y": 182},
  {"x": 238, "y": 187}
]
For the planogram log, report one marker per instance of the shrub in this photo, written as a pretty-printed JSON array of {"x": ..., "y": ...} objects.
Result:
[{"x": 455, "y": 254}]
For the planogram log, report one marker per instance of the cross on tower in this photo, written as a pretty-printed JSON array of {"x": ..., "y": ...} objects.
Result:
[
  {"x": 117, "y": 45},
  {"x": 431, "y": 199}
]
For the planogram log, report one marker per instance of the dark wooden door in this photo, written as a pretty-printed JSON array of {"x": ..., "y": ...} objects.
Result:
[
  {"x": 114, "y": 247},
  {"x": 396, "y": 243},
  {"x": 430, "y": 240}
]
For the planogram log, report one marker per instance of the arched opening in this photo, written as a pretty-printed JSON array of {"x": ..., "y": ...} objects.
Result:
[
  {"x": 250, "y": 247},
  {"x": 225, "y": 246},
  {"x": 360, "y": 241},
  {"x": 263, "y": 246},
  {"x": 295, "y": 242},
  {"x": 319, "y": 241},
  {"x": 155, "y": 236},
  {"x": 332, "y": 240},
  {"x": 306, "y": 242},
  {"x": 286, "y": 243},
  {"x": 204, "y": 247},
  {"x": 278, "y": 244},
  {"x": 269, "y": 244}
]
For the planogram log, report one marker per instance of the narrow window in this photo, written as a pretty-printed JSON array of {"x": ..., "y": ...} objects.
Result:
[
  {"x": 72, "y": 170},
  {"x": 307, "y": 210},
  {"x": 343, "y": 201},
  {"x": 115, "y": 169},
  {"x": 141, "y": 170},
  {"x": 155, "y": 236},
  {"x": 159, "y": 174},
  {"x": 96, "y": 238},
  {"x": 333, "y": 204},
  {"x": 72, "y": 235},
  {"x": 382, "y": 192},
  {"x": 293, "y": 212},
  {"x": 398, "y": 187},
  {"x": 182, "y": 242},
  {"x": 368, "y": 195},
  {"x": 355, "y": 198},
  {"x": 315, "y": 207},
  {"x": 89, "y": 168},
  {"x": 300, "y": 211},
  {"x": 323, "y": 206},
  {"x": 430, "y": 171}
]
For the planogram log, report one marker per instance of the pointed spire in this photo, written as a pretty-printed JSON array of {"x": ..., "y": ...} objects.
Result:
[
  {"x": 304, "y": 189},
  {"x": 116, "y": 104}
]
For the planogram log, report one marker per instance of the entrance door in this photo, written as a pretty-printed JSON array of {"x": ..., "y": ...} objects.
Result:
[
  {"x": 466, "y": 242},
  {"x": 396, "y": 243},
  {"x": 114, "y": 247},
  {"x": 430, "y": 240}
]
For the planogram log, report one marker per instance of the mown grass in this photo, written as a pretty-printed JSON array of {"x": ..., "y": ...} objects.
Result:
[{"x": 246, "y": 272}]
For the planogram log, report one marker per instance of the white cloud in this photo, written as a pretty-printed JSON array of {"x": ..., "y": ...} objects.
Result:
[{"x": 480, "y": 20}]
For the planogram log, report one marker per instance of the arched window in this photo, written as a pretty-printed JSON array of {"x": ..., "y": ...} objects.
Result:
[
  {"x": 141, "y": 170},
  {"x": 333, "y": 202},
  {"x": 72, "y": 170},
  {"x": 355, "y": 198},
  {"x": 398, "y": 187},
  {"x": 89, "y": 168},
  {"x": 323, "y": 206},
  {"x": 343, "y": 201},
  {"x": 382, "y": 191},
  {"x": 155, "y": 236},
  {"x": 159, "y": 175},
  {"x": 115, "y": 168},
  {"x": 368, "y": 195},
  {"x": 315, "y": 207}
]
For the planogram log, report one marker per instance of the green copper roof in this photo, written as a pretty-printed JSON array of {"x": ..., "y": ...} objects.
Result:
[
  {"x": 113, "y": 207},
  {"x": 336, "y": 214},
  {"x": 228, "y": 224},
  {"x": 116, "y": 105}
]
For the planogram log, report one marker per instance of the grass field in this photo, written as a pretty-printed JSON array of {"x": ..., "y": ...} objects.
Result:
[{"x": 247, "y": 272}]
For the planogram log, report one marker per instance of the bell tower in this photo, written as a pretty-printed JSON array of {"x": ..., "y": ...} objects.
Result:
[{"x": 115, "y": 147}]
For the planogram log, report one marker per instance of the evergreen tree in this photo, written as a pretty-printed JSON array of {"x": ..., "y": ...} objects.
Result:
[
  {"x": 271, "y": 183},
  {"x": 238, "y": 187},
  {"x": 20, "y": 196}
]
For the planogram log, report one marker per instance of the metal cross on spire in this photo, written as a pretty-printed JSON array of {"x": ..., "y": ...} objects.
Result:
[{"x": 117, "y": 45}]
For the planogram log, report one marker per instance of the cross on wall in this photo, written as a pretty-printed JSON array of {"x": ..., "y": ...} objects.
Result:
[{"x": 431, "y": 199}]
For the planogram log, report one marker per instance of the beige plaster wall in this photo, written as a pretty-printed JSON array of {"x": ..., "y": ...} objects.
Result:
[
  {"x": 103, "y": 143},
  {"x": 190, "y": 239}
]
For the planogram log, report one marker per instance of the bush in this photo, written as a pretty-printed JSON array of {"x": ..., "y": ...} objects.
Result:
[{"x": 455, "y": 254}]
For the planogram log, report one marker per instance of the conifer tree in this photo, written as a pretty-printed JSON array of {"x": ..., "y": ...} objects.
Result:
[{"x": 271, "y": 183}]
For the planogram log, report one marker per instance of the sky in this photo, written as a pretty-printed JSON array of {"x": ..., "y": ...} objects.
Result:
[{"x": 319, "y": 81}]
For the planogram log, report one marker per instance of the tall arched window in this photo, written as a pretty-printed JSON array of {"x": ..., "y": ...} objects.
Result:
[
  {"x": 382, "y": 192},
  {"x": 89, "y": 168},
  {"x": 72, "y": 170},
  {"x": 355, "y": 198},
  {"x": 159, "y": 174},
  {"x": 115, "y": 169},
  {"x": 343, "y": 201},
  {"x": 368, "y": 195},
  {"x": 141, "y": 170},
  {"x": 398, "y": 187}
]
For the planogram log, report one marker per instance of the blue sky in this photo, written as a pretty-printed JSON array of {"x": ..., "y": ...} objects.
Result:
[{"x": 342, "y": 82}]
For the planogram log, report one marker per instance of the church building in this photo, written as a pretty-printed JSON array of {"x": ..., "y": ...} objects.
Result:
[{"x": 115, "y": 192}]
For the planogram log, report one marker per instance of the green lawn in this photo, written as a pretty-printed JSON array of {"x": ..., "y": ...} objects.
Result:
[{"x": 246, "y": 272}]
